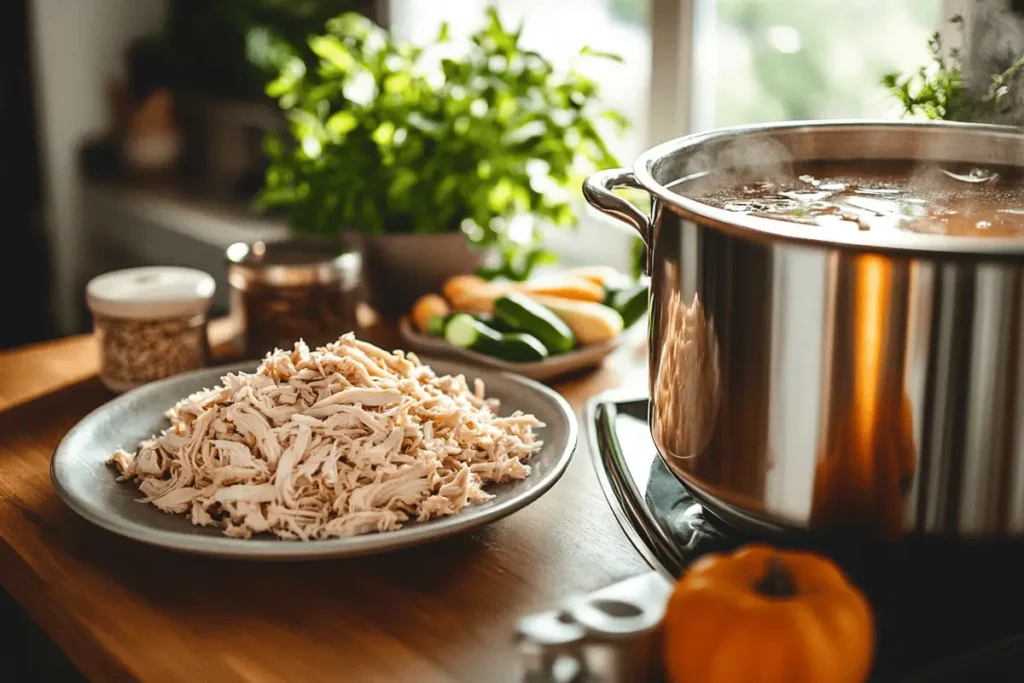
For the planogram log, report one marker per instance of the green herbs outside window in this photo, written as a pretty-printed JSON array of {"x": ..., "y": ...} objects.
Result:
[{"x": 940, "y": 90}]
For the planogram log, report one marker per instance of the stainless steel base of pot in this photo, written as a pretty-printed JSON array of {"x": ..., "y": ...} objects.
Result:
[{"x": 945, "y": 611}]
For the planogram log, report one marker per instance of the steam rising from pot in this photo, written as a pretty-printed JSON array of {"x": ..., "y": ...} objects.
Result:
[{"x": 744, "y": 161}]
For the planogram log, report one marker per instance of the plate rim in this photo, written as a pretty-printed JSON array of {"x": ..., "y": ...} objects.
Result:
[{"x": 287, "y": 550}]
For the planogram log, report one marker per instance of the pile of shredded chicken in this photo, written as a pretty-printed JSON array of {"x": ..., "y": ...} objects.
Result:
[{"x": 344, "y": 440}]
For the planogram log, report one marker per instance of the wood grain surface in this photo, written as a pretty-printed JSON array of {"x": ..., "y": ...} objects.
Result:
[{"x": 440, "y": 612}]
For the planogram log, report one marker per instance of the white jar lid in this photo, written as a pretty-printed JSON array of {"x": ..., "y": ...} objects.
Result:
[{"x": 151, "y": 293}]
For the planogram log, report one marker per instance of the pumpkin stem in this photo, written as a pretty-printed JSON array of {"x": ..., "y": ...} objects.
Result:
[{"x": 776, "y": 582}]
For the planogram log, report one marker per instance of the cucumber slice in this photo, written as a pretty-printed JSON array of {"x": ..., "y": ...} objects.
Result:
[
  {"x": 519, "y": 347},
  {"x": 525, "y": 315},
  {"x": 437, "y": 324},
  {"x": 466, "y": 332},
  {"x": 494, "y": 322}
]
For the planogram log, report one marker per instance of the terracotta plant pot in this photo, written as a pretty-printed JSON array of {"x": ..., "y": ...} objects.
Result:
[{"x": 400, "y": 268}]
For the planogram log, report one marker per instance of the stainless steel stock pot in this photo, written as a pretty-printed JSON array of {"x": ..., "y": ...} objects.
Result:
[{"x": 804, "y": 379}]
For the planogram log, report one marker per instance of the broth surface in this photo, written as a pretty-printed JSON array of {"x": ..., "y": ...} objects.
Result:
[{"x": 945, "y": 200}]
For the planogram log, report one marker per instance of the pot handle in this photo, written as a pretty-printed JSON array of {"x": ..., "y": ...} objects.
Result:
[{"x": 597, "y": 189}]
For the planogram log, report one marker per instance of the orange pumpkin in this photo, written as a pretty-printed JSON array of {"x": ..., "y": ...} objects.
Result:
[{"x": 767, "y": 615}]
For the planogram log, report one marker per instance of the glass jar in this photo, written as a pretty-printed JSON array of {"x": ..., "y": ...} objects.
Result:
[
  {"x": 283, "y": 291},
  {"x": 150, "y": 323}
]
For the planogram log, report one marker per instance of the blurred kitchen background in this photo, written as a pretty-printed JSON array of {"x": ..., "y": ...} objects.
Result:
[{"x": 133, "y": 128}]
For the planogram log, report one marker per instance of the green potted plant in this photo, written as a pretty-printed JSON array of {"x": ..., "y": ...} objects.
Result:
[{"x": 432, "y": 159}]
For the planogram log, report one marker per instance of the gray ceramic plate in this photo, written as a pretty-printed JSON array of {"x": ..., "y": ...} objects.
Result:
[{"x": 87, "y": 484}]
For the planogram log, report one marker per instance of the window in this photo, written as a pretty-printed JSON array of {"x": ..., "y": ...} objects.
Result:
[
  {"x": 780, "y": 60},
  {"x": 700, "y": 64},
  {"x": 558, "y": 29}
]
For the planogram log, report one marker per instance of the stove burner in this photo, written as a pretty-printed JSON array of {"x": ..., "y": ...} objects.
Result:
[{"x": 945, "y": 610}]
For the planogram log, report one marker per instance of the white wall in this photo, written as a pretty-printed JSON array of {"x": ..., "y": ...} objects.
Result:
[{"x": 79, "y": 45}]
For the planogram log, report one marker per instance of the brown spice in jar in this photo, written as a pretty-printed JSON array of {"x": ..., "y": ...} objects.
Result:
[
  {"x": 133, "y": 352},
  {"x": 299, "y": 288},
  {"x": 274, "y": 317}
]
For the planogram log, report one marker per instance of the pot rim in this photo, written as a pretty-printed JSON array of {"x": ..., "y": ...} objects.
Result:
[{"x": 754, "y": 227}]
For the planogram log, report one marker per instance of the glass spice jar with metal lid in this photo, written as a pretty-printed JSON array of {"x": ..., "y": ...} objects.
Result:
[
  {"x": 303, "y": 288},
  {"x": 150, "y": 323}
]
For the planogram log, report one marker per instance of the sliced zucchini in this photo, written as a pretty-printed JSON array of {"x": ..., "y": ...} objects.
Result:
[
  {"x": 591, "y": 323},
  {"x": 437, "y": 324},
  {"x": 466, "y": 332},
  {"x": 523, "y": 314},
  {"x": 520, "y": 347},
  {"x": 494, "y": 322}
]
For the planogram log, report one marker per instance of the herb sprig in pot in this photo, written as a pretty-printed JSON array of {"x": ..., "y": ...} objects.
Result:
[{"x": 420, "y": 153}]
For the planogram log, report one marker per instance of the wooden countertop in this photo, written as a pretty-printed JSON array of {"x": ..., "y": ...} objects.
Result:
[{"x": 440, "y": 612}]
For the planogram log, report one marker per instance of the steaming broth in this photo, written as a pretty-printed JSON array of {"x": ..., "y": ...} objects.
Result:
[{"x": 857, "y": 196}]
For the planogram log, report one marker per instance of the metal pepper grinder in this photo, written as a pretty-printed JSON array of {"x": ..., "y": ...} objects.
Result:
[{"x": 609, "y": 636}]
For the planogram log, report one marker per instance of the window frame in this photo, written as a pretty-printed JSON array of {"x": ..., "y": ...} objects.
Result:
[{"x": 681, "y": 64}]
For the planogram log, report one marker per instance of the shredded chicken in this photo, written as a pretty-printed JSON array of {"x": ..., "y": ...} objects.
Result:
[{"x": 347, "y": 439}]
